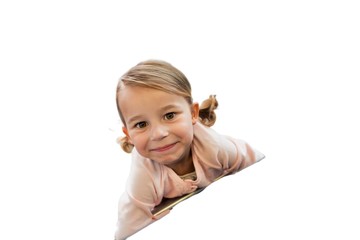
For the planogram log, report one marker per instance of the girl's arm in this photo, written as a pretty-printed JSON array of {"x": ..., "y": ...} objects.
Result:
[
  {"x": 235, "y": 154},
  {"x": 133, "y": 216},
  {"x": 138, "y": 200}
]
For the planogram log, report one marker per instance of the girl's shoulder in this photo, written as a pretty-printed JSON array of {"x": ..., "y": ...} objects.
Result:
[
  {"x": 143, "y": 179},
  {"x": 142, "y": 165},
  {"x": 206, "y": 137},
  {"x": 206, "y": 144}
]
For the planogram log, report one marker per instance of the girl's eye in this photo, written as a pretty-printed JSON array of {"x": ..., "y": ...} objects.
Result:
[
  {"x": 141, "y": 125},
  {"x": 169, "y": 116}
]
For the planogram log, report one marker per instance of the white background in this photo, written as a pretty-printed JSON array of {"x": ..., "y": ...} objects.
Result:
[{"x": 286, "y": 75}]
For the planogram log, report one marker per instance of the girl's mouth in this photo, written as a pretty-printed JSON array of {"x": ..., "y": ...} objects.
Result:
[{"x": 163, "y": 148}]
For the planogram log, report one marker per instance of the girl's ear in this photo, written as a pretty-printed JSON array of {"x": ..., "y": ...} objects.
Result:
[
  {"x": 194, "y": 112},
  {"x": 125, "y": 131}
]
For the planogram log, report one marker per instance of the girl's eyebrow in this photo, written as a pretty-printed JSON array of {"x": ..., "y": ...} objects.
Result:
[
  {"x": 167, "y": 107},
  {"x": 134, "y": 119}
]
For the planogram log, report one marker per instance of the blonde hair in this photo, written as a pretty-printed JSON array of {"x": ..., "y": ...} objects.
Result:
[{"x": 161, "y": 75}]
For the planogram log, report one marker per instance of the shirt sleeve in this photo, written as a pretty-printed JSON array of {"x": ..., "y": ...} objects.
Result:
[
  {"x": 235, "y": 154},
  {"x": 222, "y": 154},
  {"x": 136, "y": 203}
]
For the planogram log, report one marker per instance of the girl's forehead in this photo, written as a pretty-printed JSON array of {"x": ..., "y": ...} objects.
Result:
[
  {"x": 152, "y": 93},
  {"x": 134, "y": 100},
  {"x": 134, "y": 91},
  {"x": 143, "y": 95}
]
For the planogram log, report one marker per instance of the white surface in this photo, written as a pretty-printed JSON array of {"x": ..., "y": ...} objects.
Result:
[{"x": 286, "y": 76}]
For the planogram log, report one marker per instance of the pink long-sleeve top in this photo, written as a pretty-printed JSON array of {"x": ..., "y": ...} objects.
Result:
[{"x": 214, "y": 155}]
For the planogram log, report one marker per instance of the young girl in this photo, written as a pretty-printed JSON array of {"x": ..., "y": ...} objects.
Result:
[{"x": 174, "y": 150}]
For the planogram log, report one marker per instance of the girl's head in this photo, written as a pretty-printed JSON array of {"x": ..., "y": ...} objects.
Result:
[
  {"x": 161, "y": 76},
  {"x": 158, "y": 75}
]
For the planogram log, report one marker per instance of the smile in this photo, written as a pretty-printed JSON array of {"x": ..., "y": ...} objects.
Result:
[{"x": 163, "y": 148}]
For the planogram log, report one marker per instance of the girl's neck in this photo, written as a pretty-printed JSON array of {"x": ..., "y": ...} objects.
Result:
[{"x": 184, "y": 166}]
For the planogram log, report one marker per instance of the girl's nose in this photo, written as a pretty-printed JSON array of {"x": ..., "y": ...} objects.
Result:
[{"x": 158, "y": 132}]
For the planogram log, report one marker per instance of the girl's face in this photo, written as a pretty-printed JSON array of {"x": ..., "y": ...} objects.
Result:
[{"x": 158, "y": 124}]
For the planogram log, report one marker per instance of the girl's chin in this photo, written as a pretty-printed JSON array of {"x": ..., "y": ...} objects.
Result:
[{"x": 166, "y": 162}]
